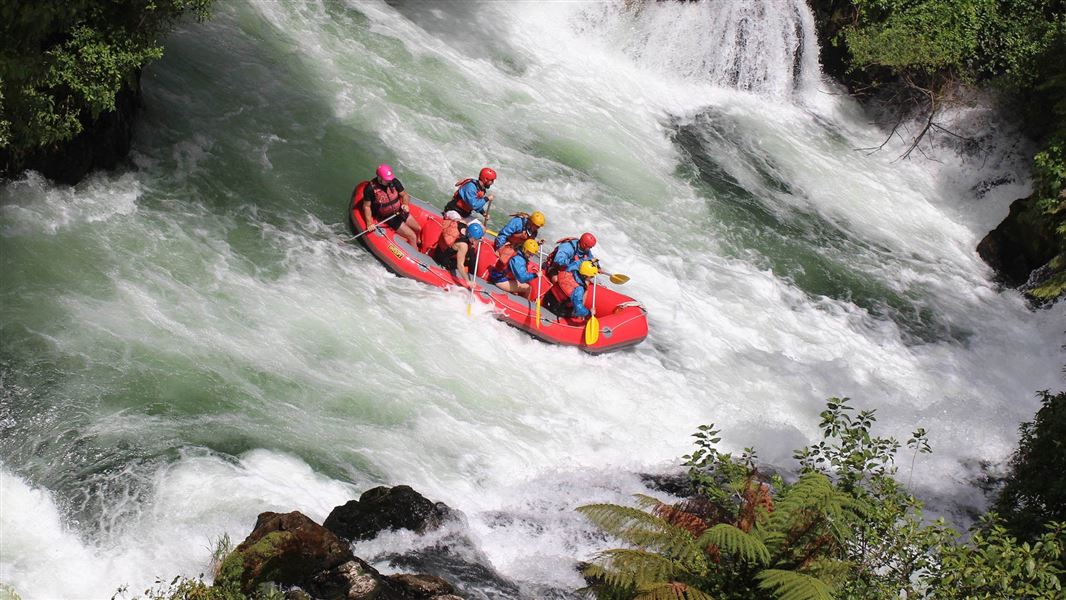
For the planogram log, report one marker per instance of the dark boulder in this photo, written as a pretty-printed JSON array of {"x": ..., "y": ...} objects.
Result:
[
  {"x": 1020, "y": 244},
  {"x": 383, "y": 508},
  {"x": 423, "y": 587},
  {"x": 292, "y": 550}
]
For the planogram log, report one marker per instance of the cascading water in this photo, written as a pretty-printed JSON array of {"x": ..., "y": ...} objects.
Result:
[{"x": 185, "y": 343}]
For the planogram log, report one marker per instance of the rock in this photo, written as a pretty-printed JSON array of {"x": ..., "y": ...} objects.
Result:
[
  {"x": 422, "y": 587},
  {"x": 288, "y": 549},
  {"x": 354, "y": 580},
  {"x": 1019, "y": 245},
  {"x": 292, "y": 550},
  {"x": 383, "y": 508}
]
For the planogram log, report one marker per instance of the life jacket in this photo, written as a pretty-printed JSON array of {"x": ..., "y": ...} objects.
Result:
[
  {"x": 552, "y": 269},
  {"x": 516, "y": 239},
  {"x": 460, "y": 205},
  {"x": 385, "y": 200},
  {"x": 565, "y": 285},
  {"x": 450, "y": 234},
  {"x": 502, "y": 267}
]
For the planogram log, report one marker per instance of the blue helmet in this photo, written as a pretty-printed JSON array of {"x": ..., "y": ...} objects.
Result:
[{"x": 475, "y": 231}]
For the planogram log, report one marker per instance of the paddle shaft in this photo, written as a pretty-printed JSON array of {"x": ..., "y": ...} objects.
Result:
[{"x": 369, "y": 229}]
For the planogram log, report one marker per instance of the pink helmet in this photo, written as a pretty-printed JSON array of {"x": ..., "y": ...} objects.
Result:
[{"x": 385, "y": 173}]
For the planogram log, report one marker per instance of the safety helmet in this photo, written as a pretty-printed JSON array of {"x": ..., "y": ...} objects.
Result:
[
  {"x": 487, "y": 174},
  {"x": 385, "y": 173},
  {"x": 587, "y": 241},
  {"x": 587, "y": 269},
  {"x": 475, "y": 231},
  {"x": 531, "y": 246},
  {"x": 537, "y": 218}
]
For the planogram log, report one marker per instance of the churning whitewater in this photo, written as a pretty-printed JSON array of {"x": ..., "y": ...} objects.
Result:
[{"x": 186, "y": 342}]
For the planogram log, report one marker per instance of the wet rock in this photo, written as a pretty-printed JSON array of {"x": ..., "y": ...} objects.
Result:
[
  {"x": 1020, "y": 244},
  {"x": 289, "y": 549},
  {"x": 383, "y": 508},
  {"x": 423, "y": 587}
]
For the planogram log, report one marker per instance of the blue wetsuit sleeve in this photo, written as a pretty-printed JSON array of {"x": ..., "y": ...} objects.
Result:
[
  {"x": 577, "y": 297},
  {"x": 512, "y": 227},
  {"x": 564, "y": 256},
  {"x": 469, "y": 195},
  {"x": 519, "y": 266}
]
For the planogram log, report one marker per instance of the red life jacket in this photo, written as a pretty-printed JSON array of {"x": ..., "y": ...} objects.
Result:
[
  {"x": 464, "y": 208},
  {"x": 565, "y": 285},
  {"x": 385, "y": 200},
  {"x": 505, "y": 254},
  {"x": 449, "y": 234}
]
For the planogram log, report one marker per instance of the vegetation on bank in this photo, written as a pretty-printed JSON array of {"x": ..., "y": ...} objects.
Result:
[
  {"x": 846, "y": 528},
  {"x": 63, "y": 62},
  {"x": 915, "y": 54}
]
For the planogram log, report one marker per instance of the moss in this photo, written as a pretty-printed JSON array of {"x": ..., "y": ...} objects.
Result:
[
  {"x": 1055, "y": 286},
  {"x": 231, "y": 573}
]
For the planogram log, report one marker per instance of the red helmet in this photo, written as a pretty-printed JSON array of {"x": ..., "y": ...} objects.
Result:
[
  {"x": 586, "y": 241},
  {"x": 487, "y": 174}
]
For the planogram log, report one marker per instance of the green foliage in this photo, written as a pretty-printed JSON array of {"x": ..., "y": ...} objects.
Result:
[
  {"x": 922, "y": 35},
  {"x": 62, "y": 63},
  {"x": 969, "y": 38},
  {"x": 187, "y": 588},
  {"x": 789, "y": 585},
  {"x": 1035, "y": 489},
  {"x": 845, "y": 529},
  {"x": 995, "y": 565}
]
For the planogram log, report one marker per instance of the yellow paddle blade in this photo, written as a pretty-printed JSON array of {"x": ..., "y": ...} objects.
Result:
[
  {"x": 538, "y": 313},
  {"x": 592, "y": 330},
  {"x": 619, "y": 278}
]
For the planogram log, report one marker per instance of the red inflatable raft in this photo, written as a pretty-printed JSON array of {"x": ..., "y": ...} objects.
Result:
[{"x": 623, "y": 321}]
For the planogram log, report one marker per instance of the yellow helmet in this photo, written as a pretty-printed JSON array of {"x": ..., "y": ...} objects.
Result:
[
  {"x": 531, "y": 246},
  {"x": 537, "y": 218},
  {"x": 588, "y": 269}
]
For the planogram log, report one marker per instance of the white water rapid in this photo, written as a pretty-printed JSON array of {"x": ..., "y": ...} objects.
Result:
[{"x": 185, "y": 343}]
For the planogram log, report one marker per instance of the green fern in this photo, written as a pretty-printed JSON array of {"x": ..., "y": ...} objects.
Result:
[
  {"x": 671, "y": 591},
  {"x": 790, "y": 585},
  {"x": 733, "y": 541},
  {"x": 621, "y": 567},
  {"x": 645, "y": 531}
]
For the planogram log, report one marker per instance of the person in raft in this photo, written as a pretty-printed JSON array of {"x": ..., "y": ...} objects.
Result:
[
  {"x": 471, "y": 196},
  {"x": 568, "y": 300},
  {"x": 569, "y": 254},
  {"x": 453, "y": 249},
  {"x": 521, "y": 227},
  {"x": 513, "y": 275},
  {"x": 385, "y": 201}
]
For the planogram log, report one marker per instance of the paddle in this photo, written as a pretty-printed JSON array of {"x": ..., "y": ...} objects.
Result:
[
  {"x": 616, "y": 277},
  {"x": 592, "y": 326},
  {"x": 369, "y": 229},
  {"x": 540, "y": 278},
  {"x": 473, "y": 275}
]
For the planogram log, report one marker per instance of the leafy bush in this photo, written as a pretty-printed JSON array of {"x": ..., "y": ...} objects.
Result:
[
  {"x": 1035, "y": 489},
  {"x": 62, "y": 63},
  {"x": 846, "y": 529}
]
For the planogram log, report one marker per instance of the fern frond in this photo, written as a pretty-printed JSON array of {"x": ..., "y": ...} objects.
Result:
[
  {"x": 646, "y": 531},
  {"x": 813, "y": 504},
  {"x": 829, "y": 570},
  {"x": 671, "y": 590},
  {"x": 790, "y": 585},
  {"x": 731, "y": 540},
  {"x": 622, "y": 567}
]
